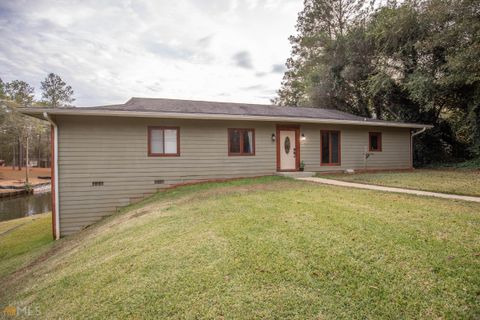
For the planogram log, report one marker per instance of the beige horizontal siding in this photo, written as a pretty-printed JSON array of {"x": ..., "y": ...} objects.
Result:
[
  {"x": 395, "y": 152},
  {"x": 114, "y": 150}
]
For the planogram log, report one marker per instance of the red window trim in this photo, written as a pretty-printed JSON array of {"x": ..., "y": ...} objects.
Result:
[
  {"x": 241, "y": 153},
  {"x": 152, "y": 154},
  {"x": 379, "y": 142},
  {"x": 339, "y": 163}
]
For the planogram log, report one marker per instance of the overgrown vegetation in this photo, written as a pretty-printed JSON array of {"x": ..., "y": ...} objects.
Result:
[
  {"x": 414, "y": 61},
  {"x": 473, "y": 164},
  {"x": 267, "y": 248}
]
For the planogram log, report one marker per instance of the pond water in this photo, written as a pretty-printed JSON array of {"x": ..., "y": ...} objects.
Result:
[{"x": 23, "y": 206}]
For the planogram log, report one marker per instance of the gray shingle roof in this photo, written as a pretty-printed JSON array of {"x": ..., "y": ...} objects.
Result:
[
  {"x": 228, "y": 108},
  {"x": 153, "y": 107}
]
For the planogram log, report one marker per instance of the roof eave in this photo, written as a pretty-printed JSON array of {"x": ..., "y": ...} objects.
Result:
[{"x": 38, "y": 113}]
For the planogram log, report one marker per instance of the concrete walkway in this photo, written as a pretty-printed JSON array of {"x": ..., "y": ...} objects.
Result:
[{"x": 390, "y": 189}]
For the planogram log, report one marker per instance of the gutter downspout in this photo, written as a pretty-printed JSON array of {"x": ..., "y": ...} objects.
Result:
[
  {"x": 55, "y": 170},
  {"x": 411, "y": 143},
  {"x": 418, "y": 132}
]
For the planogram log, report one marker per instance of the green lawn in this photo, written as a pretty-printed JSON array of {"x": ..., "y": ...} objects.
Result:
[
  {"x": 464, "y": 182},
  {"x": 268, "y": 248},
  {"x": 473, "y": 164},
  {"x": 22, "y": 240}
]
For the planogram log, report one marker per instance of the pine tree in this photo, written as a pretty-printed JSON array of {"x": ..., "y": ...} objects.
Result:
[
  {"x": 55, "y": 92},
  {"x": 20, "y": 92},
  {"x": 2, "y": 89},
  {"x": 320, "y": 27}
]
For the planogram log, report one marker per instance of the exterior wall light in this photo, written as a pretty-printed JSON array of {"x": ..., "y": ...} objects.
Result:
[
  {"x": 273, "y": 136},
  {"x": 303, "y": 138}
]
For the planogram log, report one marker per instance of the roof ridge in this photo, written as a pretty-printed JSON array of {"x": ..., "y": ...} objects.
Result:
[
  {"x": 205, "y": 101},
  {"x": 103, "y": 106},
  {"x": 230, "y": 105},
  {"x": 131, "y": 100}
]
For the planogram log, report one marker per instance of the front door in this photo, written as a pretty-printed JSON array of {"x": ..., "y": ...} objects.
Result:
[{"x": 287, "y": 149}]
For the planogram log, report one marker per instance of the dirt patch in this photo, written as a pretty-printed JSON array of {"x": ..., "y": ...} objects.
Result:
[
  {"x": 8, "y": 190},
  {"x": 20, "y": 183},
  {"x": 7, "y": 173}
]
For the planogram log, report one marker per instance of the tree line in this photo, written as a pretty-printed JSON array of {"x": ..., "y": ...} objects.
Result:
[
  {"x": 415, "y": 61},
  {"x": 20, "y": 135}
]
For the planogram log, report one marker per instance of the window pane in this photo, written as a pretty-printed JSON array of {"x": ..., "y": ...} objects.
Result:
[
  {"x": 335, "y": 149},
  {"x": 325, "y": 148},
  {"x": 374, "y": 142},
  {"x": 247, "y": 141},
  {"x": 170, "y": 141},
  {"x": 156, "y": 141},
  {"x": 234, "y": 136}
]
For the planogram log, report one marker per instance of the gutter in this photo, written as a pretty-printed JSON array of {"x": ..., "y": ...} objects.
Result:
[
  {"x": 55, "y": 173},
  {"x": 203, "y": 116},
  {"x": 418, "y": 132}
]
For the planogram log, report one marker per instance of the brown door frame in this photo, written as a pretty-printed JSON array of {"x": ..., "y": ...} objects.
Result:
[{"x": 289, "y": 127}]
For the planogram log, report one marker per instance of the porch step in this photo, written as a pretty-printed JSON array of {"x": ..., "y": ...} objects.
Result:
[{"x": 297, "y": 174}]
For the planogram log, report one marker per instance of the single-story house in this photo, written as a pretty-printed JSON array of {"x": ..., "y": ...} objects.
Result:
[{"x": 108, "y": 156}]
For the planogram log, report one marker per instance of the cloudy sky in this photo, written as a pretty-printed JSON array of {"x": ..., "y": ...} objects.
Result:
[{"x": 109, "y": 51}]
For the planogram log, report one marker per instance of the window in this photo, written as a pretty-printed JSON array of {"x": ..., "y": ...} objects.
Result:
[
  {"x": 241, "y": 142},
  {"x": 163, "y": 141},
  {"x": 330, "y": 148},
  {"x": 375, "y": 141}
]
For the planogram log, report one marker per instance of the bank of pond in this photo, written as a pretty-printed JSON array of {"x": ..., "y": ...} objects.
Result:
[{"x": 25, "y": 205}]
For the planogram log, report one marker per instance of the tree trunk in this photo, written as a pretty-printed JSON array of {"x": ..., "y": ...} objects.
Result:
[
  {"x": 26, "y": 163},
  {"x": 14, "y": 157},
  {"x": 19, "y": 162},
  {"x": 39, "y": 149}
]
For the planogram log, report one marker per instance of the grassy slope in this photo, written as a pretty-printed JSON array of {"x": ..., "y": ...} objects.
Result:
[
  {"x": 267, "y": 248},
  {"x": 464, "y": 182},
  {"x": 22, "y": 240}
]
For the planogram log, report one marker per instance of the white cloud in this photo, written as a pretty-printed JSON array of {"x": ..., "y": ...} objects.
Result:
[
  {"x": 278, "y": 68},
  {"x": 243, "y": 59},
  {"x": 109, "y": 52}
]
